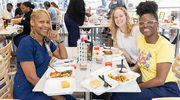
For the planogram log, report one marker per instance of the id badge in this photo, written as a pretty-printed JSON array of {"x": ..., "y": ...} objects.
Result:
[{"x": 114, "y": 2}]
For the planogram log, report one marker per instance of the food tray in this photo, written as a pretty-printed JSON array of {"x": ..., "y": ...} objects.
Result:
[{"x": 53, "y": 86}]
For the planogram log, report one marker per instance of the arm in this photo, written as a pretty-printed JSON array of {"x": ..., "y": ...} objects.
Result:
[
  {"x": 136, "y": 68},
  {"x": 30, "y": 73},
  {"x": 125, "y": 53},
  {"x": 60, "y": 52},
  {"x": 162, "y": 72}
]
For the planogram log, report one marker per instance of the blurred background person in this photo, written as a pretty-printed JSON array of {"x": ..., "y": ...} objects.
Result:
[
  {"x": 74, "y": 17},
  {"x": 52, "y": 13},
  {"x": 55, "y": 6},
  {"x": 27, "y": 9},
  {"x": 18, "y": 11},
  {"x": 102, "y": 6},
  {"x": 8, "y": 14},
  {"x": 113, "y": 4}
]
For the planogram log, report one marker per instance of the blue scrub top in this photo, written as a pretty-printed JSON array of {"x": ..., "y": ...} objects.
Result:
[{"x": 30, "y": 50}]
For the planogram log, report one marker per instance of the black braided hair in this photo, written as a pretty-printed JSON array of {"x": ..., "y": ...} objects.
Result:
[{"x": 148, "y": 7}]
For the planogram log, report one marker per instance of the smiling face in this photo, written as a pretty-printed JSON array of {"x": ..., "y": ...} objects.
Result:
[
  {"x": 119, "y": 18},
  {"x": 41, "y": 25},
  {"x": 148, "y": 29}
]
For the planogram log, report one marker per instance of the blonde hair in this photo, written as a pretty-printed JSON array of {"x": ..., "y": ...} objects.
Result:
[
  {"x": 114, "y": 27},
  {"x": 34, "y": 16}
]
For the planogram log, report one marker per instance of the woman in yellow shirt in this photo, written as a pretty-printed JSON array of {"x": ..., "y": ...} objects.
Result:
[{"x": 155, "y": 59}]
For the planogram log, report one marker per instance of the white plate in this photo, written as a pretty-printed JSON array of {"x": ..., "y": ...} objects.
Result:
[
  {"x": 53, "y": 86},
  {"x": 61, "y": 62},
  {"x": 101, "y": 89},
  {"x": 132, "y": 76},
  {"x": 60, "y": 69},
  {"x": 101, "y": 71}
]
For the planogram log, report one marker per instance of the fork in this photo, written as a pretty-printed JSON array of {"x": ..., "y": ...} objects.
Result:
[{"x": 53, "y": 68}]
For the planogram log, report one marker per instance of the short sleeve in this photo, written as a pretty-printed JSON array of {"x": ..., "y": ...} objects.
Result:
[
  {"x": 165, "y": 53},
  {"x": 25, "y": 51},
  {"x": 53, "y": 47}
]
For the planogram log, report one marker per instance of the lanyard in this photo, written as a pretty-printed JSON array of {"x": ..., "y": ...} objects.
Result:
[{"x": 48, "y": 49}]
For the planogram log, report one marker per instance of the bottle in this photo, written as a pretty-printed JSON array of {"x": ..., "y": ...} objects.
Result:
[{"x": 5, "y": 24}]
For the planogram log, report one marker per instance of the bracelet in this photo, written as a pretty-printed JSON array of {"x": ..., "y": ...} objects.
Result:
[{"x": 60, "y": 42}]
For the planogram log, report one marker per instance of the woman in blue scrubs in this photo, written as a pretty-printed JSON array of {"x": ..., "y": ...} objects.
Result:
[{"x": 33, "y": 58}]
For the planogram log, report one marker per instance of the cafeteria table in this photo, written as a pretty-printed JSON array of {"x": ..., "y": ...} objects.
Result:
[{"x": 81, "y": 75}]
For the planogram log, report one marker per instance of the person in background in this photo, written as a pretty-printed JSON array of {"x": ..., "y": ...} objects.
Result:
[
  {"x": 52, "y": 13},
  {"x": 102, "y": 6},
  {"x": 36, "y": 7},
  {"x": 156, "y": 55},
  {"x": 115, "y": 3},
  {"x": 55, "y": 6},
  {"x": 18, "y": 11},
  {"x": 33, "y": 58},
  {"x": 27, "y": 9},
  {"x": 8, "y": 14},
  {"x": 124, "y": 33},
  {"x": 74, "y": 17}
]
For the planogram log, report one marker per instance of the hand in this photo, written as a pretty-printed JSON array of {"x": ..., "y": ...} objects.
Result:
[
  {"x": 54, "y": 35},
  {"x": 17, "y": 21},
  {"x": 128, "y": 57},
  {"x": 17, "y": 16}
]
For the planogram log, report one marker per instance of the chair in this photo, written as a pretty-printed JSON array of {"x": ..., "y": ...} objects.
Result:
[
  {"x": 176, "y": 67},
  {"x": 5, "y": 85},
  {"x": 167, "y": 98},
  {"x": 161, "y": 16},
  {"x": 135, "y": 20},
  {"x": 58, "y": 19},
  {"x": 5, "y": 52},
  {"x": 62, "y": 26}
]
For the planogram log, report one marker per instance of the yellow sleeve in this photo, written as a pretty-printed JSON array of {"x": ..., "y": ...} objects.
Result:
[{"x": 166, "y": 53}]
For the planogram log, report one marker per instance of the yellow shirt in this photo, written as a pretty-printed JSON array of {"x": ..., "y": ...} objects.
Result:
[{"x": 151, "y": 54}]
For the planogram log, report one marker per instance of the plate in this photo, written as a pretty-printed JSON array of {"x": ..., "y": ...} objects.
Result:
[
  {"x": 101, "y": 89},
  {"x": 125, "y": 78},
  {"x": 59, "y": 69},
  {"x": 53, "y": 86}
]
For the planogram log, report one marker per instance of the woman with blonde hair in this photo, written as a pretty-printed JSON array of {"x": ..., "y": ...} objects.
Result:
[
  {"x": 124, "y": 34},
  {"x": 33, "y": 56}
]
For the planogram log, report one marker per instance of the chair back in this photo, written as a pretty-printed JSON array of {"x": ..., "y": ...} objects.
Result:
[
  {"x": 135, "y": 20},
  {"x": 62, "y": 26},
  {"x": 161, "y": 15},
  {"x": 176, "y": 67},
  {"x": 5, "y": 86},
  {"x": 58, "y": 19},
  {"x": 5, "y": 52}
]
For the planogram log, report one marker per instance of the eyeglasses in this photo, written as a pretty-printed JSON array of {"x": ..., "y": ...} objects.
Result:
[{"x": 149, "y": 23}]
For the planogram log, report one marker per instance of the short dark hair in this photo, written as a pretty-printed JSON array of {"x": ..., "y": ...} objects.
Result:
[
  {"x": 46, "y": 3},
  {"x": 10, "y": 4},
  {"x": 148, "y": 7}
]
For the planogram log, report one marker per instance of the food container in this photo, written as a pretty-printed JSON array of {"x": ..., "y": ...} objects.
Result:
[
  {"x": 83, "y": 65},
  {"x": 99, "y": 59}
]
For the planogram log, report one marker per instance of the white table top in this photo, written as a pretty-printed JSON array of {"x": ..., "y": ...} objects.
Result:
[
  {"x": 81, "y": 75},
  {"x": 10, "y": 29}
]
